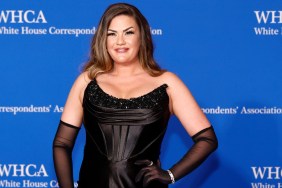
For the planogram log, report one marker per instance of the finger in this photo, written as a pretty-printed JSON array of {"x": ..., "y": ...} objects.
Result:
[
  {"x": 148, "y": 178},
  {"x": 142, "y": 162},
  {"x": 141, "y": 174},
  {"x": 158, "y": 163}
]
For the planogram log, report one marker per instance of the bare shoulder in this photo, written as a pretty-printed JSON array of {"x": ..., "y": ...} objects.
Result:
[
  {"x": 172, "y": 80},
  {"x": 73, "y": 111},
  {"x": 80, "y": 84},
  {"x": 83, "y": 79}
]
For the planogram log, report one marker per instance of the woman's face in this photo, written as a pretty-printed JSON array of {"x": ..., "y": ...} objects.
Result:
[{"x": 123, "y": 40}]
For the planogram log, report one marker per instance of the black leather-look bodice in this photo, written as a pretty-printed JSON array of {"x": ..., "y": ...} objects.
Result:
[{"x": 119, "y": 132}]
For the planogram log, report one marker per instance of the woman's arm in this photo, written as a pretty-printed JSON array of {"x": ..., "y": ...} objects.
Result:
[
  {"x": 186, "y": 109},
  {"x": 66, "y": 134},
  {"x": 184, "y": 106}
]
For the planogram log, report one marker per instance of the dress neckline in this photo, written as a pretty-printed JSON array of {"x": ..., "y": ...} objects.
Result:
[{"x": 164, "y": 85}]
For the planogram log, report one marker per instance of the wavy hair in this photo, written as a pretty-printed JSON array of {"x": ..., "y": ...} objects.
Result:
[{"x": 101, "y": 62}]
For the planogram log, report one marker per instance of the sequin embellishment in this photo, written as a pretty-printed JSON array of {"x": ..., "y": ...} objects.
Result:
[{"x": 98, "y": 97}]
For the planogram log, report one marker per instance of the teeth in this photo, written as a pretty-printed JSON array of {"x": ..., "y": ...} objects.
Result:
[{"x": 121, "y": 50}]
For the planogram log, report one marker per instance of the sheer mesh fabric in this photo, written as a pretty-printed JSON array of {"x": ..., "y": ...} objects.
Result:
[
  {"x": 115, "y": 119},
  {"x": 205, "y": 142},
  {"x": 62, "y": 153}
]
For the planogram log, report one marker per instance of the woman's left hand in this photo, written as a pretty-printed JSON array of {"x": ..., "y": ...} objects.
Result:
[{"x": 151, "y": 172}]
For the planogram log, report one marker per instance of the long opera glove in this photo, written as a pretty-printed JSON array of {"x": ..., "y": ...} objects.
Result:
[
  {"x": 62, "y": 153},
  {"x": 205, "y": 142}
]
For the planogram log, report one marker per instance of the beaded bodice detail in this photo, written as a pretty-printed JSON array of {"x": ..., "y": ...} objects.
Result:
[{"x": 98, "y": 97}]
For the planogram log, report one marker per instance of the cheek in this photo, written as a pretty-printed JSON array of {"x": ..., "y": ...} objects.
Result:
[
  {"x": 137, "y": 44},
  {"x": 109, "y": 43}
]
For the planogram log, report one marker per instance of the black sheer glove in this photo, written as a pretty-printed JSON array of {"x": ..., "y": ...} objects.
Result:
[
  {"x": 205, "y": 142},
  {"x": 62, "y": 153},
  {"x": 151, "y": 172}
]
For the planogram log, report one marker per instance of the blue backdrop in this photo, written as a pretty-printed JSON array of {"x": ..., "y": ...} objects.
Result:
[{"x": 227, "y": 52}]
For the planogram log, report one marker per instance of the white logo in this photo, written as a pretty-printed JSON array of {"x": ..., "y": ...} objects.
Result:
[
  {"x": 22, "y": 170},
  {"x": 221, "y": 110},
  {"x": 31, "y": 108},
  {"x": 267, "y": 172},
  {"x": 271, "y": 173},
  {"x": 21, "y": 16},
  {"x": 270, "y": 16}
]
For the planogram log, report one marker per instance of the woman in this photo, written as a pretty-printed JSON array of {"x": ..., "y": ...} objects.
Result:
[{"x": 125, "y": 100}]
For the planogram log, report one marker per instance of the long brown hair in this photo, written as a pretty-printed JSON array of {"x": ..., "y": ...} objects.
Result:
[{"x": 101, "y": 62}]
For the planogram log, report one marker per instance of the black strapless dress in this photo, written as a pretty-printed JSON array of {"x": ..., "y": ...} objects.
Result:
[{"x": 119, "y": 132}]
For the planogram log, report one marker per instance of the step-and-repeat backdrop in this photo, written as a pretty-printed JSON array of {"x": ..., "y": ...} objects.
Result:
[{"x": 227, "y": 52}]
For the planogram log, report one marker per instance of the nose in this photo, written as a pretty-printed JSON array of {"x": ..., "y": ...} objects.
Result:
[{"x": 120, "y": 40}]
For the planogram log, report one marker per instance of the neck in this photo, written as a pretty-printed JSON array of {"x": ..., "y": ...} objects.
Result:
[{"x": 127, "y": 70}]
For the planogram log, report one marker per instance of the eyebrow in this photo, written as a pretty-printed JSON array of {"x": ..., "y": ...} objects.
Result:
[{"x": 122, "y": 31}]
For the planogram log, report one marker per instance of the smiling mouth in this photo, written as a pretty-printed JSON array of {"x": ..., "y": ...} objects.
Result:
[{"x": 121, "y": 50}]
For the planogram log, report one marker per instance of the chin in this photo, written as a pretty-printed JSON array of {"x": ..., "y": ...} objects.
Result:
[{"x": 122, "y": 61}]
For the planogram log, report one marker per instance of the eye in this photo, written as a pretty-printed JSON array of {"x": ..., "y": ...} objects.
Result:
[
  {"x": 129, "y": 33},
  {"x": 111, "y": 34}
]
